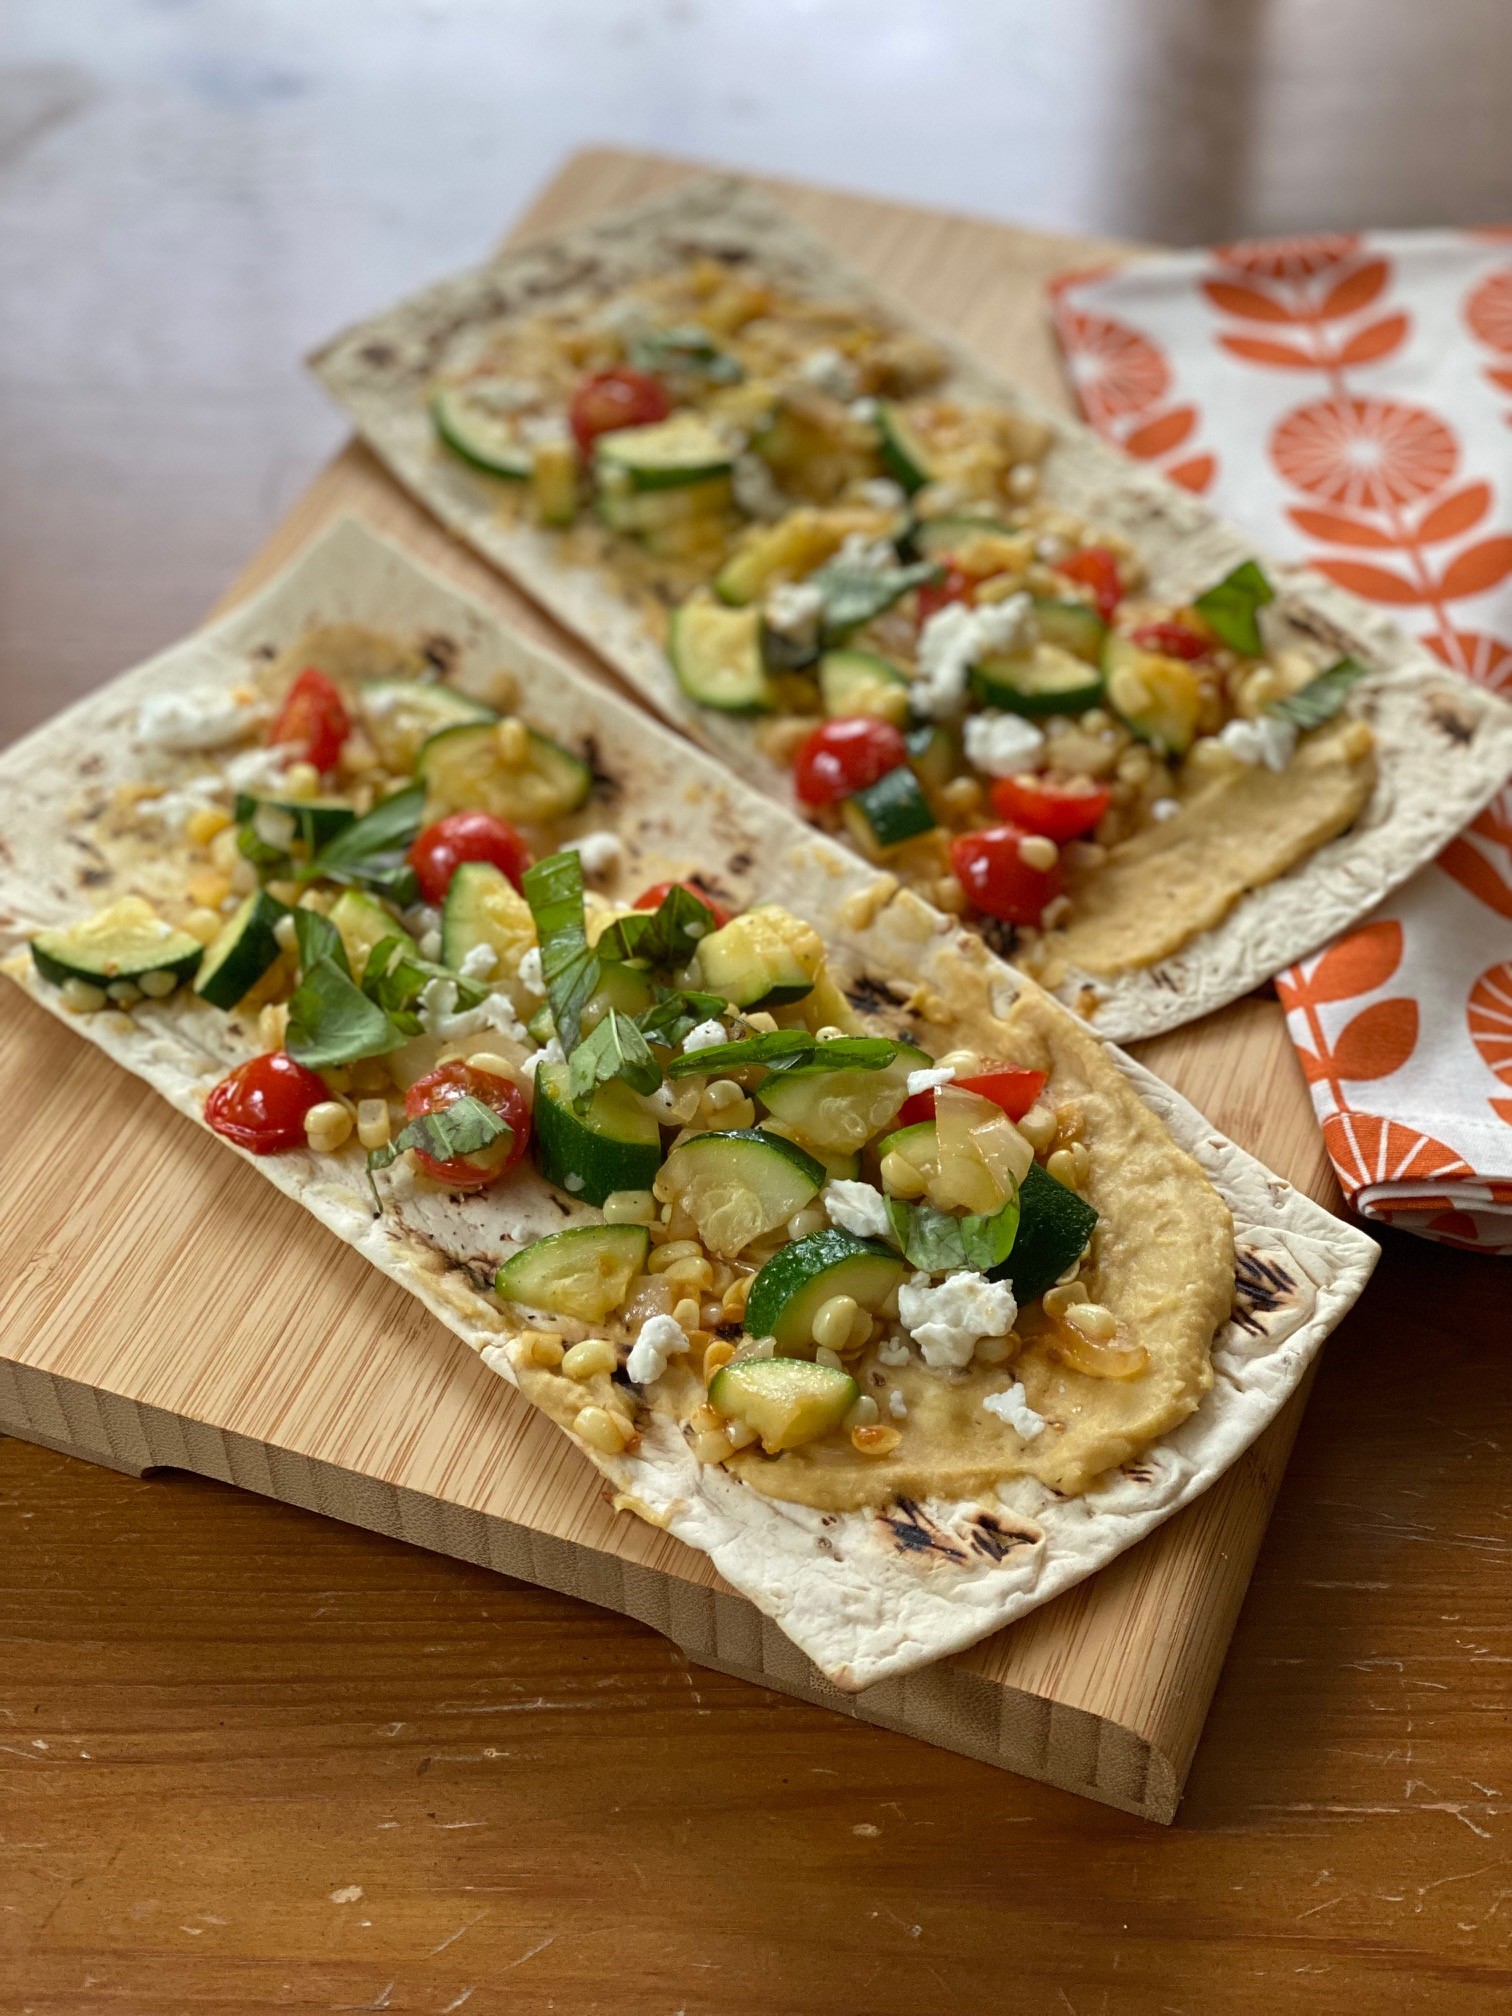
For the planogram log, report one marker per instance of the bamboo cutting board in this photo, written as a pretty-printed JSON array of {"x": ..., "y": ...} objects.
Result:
[{"x": 162, "y": 1306}]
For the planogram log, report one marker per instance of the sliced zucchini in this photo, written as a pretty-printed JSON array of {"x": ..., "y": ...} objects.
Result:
[
  {"x": 837, "y": 1112},
  {"x": 737, "y": 1186},
  {"x": 483, "y": 907},
  {"x": 400, "y": 714},
  {"x": 647, "y": 514},
  {"x": 554, "y": 482},
  {"x": 1159, "y": 698},
  {"x": 584, "y": 1272},
  {"x": 362, "y": 923},
  {"x": 313, "y": 821},
  {"x": 626, "y": 988},
  {"x": 242, "y": 951},
  {"x": 667, "y": 455},
  {"x": 123, "y": 942},
  {"x": 933, "y": 754},
  {"x": 934, "y": 538},
  {"x": 794, "y": 1285},
  {"x": 1054, "y": 1227},
  {"x": 1043, "y": 680},
  {"x": 615, "y": 1145},
  {"x": 488, "y": 439},
  {"x": 1075, "y": 626},
  {"x": 717, "y": 655},
  {"x": 790, "y": 549},
  {"x": 860, "y": 682},
  {"x": 788, "y": 1401},
  {"x": 887, "y": 813},
  {"x": 764, "y": 958},
  {"x": 463, "y": 769},
  {"x": 904, "y": 455}
]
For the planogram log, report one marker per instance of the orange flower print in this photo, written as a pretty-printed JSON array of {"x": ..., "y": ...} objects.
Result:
[
  {"x": 1117, "y": 371},
  {"x": 1364, "y": 454},
  {"x": 1367, "y": 1149},
  {"x": 1488, "y": 312},
  {"x": 1488, "y": 1015},
  {"x": 1485, "y": 659},
  {"x": 1290, "y": 258}
]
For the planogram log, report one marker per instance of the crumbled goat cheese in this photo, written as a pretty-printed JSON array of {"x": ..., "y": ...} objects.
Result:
[
  {"x": 625, "y": 315},
  {"x": 947, "y": 1321},
  {"x": 1269, "y": 740},
  {"x": 1050, "y": 548},
  {"x": 543, "y": 430},
  {"x": 858, "y": 1208},
  {"x": 756, "y": 489},
  {"x": 552, "y": 1053},
  {"x": 598, "y": 852},
  {"x": 897, "y": 1406},
  {"x": 1165, "y": 808},
  {"x": 440, "y": 1016},
  {"x": 705, "y": 1036},
  {"x": 864, "y": 408},
  {"x": 793, "y": 609},
  {"x": 882, "y": 493},
  {"x": 877, "y": 555},
  {"x": 893, "y": 1352},
  {"x": 929, "y": 1080},
  {"x": 1001, "y": 745},
  {"x": 954, "y": 638},
  {"x": 500, "y": 395},
  {"x": 531, "y": 978},
  {"x": 827, "y": 371},
  {"x": 479, "y": 963},
  {"x": 204, "y": 717},
  {"x": 174, "y": 809},
  {"x": 1013, "y": 1408},
  {"x": 660, "y": 1339},
  {"x": 257, "y": 769}
]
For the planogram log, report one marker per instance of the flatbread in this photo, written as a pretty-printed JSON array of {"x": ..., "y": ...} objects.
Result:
[
  {"x": 865, "y": 1595},
  {"x": 1443, "y": 746}
]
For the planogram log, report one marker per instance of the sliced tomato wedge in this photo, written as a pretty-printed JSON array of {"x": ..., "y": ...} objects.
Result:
[
  {"x": 450, "y": 1082},
  {"x": 845, "y": 756},
  {"x": 262, "y": 1104},
  {"x": 1011, "y": 1086},
  {"x": 1059, "y": 811},
  {"x": 1171, "y": 640},
  {"x": 1096, "y": 567},
  {"x": 314, "y": 716},
  {"x": 997, "y": 879},
  {"x": 609, "y": 400},
  {"x": 656, "y": 895},
  {"x": 955, "y": 585}
]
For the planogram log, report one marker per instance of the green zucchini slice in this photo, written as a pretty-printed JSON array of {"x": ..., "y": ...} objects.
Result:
[
  {"x": 887, "y": 813},
  {"x": 123, "y": 942},
  {"x": 904, "y": 455},
  {"x": 717, "y": 655},
  {"x": 764, "y": 958},
  {"x": 243, "y": 950},
  {"x": 584, "y": 1272},
  {"x": 836, "y": 1112},
  {"x": 667, "y": 455},
  {"x": 483, "y": 907},
  {"x": 860, "y": 682},
  {"x": 463, "y": 770},
  {"x": 788, "y": 1401},
  {"x": 794, "y": 1285},
  {"x": 489, "y": 440},
  {"x": 362, "y": 923},
  {"x": 615, "y": 1145},
  {"x": 1075, "y": 626},
  {"x": 1159, "y": 698},
  {"x": 400, "y": 714},
  {"x": 738, "y": 1186},
  {"x": 937, "y": 538},
  {"x": 1054, "y": 1227},
  {"x": 1044, "y": 680}
]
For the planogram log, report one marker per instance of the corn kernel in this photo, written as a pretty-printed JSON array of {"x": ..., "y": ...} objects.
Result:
[
  {"x": 1037, "y": 851},
  {"x": 733, "y": 1301},
  {"x": 961, "y": 795},
  {"x": 762, "y": 1023},
  {"x": 830, "y": 1360},
  {"x": 601, "y": 1430},
  {"x": 803, "y": 1224},
  {"x": 202, "y": 826},
  {"x": 694, "y": 1274},
  {"x": 593, "y": 1355},
  {"x": 993, "y": 1350},
  {"x": 1095, "y": 1322},
  {"x": 285, "y": 934},
  {"x": 629, "y": 1207},
  {"x": 158, "y": 986},
  {"x": 301, "y": 781},
  {"x": 685, "y": 1313},
  {"x": 373, "y": 1123},
  {"x": 273, "y": 1025},
  {"x": 711, "y": 1445},
  {"x": 949, "y": 896},
  {"x": 1038, "y": 1127},
  {"x": 545, "y": 1351},
  {"x": 203, "y": 924},
  {"x": 832, "y": 1321},
  {"x": 224, "y": 852},
  {"x": 723, "y": 1093},
  {"x": 741, "y": 1434},
  {"x": 718, "y": 1353},
  {"x": 512, "y": 740},
  {"x": 863, "y": 1412},
  {"x": 208, "y": 887},
  {"x": 860, "y": 1331},
  {"x": 875, "y": 1439},
  {"x": 1062, "y": 1166},
  {"x": 1061, "y": 1297},
  {"x": 667, "y": 1256},
  {"x": 495, "y": 1065},
  {"x": 124, "y": 993},
  {"x": 79, "y": 998},
  {"x": 900, "y": 1178},
  {"x": 327, "y": 1125}
]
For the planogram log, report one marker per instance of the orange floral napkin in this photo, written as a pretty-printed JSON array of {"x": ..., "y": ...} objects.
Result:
[{"x": 1347, "y": 399}]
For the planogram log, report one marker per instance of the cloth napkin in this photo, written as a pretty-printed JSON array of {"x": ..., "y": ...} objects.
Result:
[{"x": 1347, "y": 400}]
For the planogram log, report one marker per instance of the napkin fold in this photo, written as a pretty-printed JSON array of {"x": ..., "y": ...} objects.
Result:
[{"x": 1347, "y": 399}]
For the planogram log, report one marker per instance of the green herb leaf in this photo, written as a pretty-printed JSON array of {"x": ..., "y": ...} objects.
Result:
[
  {"x": 554, "y": 890},
  {"x": 1230, "y": 608},
  {"x": 854, "y": 594},
  {"x": 396, "y": 977},
  {"x": 678, "y": 1011},
  {"x": 666, "y": 936},
  {"x": 791, "y": 1050},
  {"x": 691, "y": 349},
  {"x": 331, "y": 1020},
  {"x": 987, "y": 1242},
  {"x": 939, "y": 1242},
  {"x": 1322, "y": 697},
  {"x": 372, "y": 851},
  {"x": 463, "y": 1128},
  {"x": 615, "y": 1049},
  {"x": 318, "y": 938}
]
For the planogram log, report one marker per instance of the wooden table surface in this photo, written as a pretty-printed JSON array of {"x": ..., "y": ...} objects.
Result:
[{"x": 253, "y": 1760}]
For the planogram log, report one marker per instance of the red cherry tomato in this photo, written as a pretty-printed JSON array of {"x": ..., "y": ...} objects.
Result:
[
  {"x": 998, "y": 880},
  {"x": 1171, "y": 640},
  {"x": 954, "y": 586},
  {"x": 449, "y": 1082},
  {"x": 1010, "y": 1086},
  {"x": 619, "y": 398},
  {"x": 653, "y": 898},
  {"x": 436, "y": 853},
  {"x": 262, "y": 1104},
  {"x": 1059, "y": 811},
  {"x": 1096, "y": 567},
  {"x": 845, "y": 756},
  {"x": 313, "y": 715}
]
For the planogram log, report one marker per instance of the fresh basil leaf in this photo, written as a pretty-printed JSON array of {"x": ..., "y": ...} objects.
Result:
[
  {"x": 615, "y": 1049},
  {"x": 931, "y": 1239},
  {"x": 331, "y": 1020},
  {"x": 554, "y": 890},
  {"x": 772, "y": 1047},
  {"x": 856, "y": 1053},
  {"x": 854, "y": 594},
  {"x": 396, "y": 977},
  {"x": 1230, "y": 606},
  {"x": 1322, "y": 697},
  {"x": 678, "y": 1011},
  {"x": 318, "y": 938},
  {"x": 987, "y": 1241},
  {"x": 373, "y": 850},
  {"x": 665, "y": 936},
  {"x": 462, "y": 1128},
  {"x": 692, "y": 350}
]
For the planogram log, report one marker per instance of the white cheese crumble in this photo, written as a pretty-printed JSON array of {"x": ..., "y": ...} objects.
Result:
[
  {"x": 1013, "y": 1408},
  {"x": 500, "y": 395},
  {"x": 954, "y": 638},
  {"x": 792, "y": 609},
  {"x": 864, "y": 408},
  {"x": 552, "y": 1053},
  {"x": 827, "y": 371},
  {"x": 479, "y": 963},
  {"x": 1269, "y": 740},
  {"x": 704, "y": 1037},
  {"x": 897, "y": 1406},
  {"x": 876, "y": 555},
  {"x": 882, "y": 493},
  {"x": 1051, "y": 548},
  {"x": 544, "y": 430},
  {"x": 1001, "y": 745},
  {"x": 756, "y": 489},
  {"x": 257, "y": 769},
  {"x": 947, "y": 1321},
  {"x": 660, "y": 1338},
  {"x": 1165, "y": 808},
  {"x": 598, "y": 852},
  {"x": 893, "y": 1352},
  {"x": 857, "y": 1208},
  {"x": 174, "y": 809},
  {"x": 531, "y": 978},
  {"x": 929, "y": 1080},
  {"x": 203, "y": 717},
  {"x": 440, "y": 1015}
]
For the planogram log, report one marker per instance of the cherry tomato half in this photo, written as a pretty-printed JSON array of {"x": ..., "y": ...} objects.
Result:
[
  {"x": 438, "y": 851},
  {"x": 262, "y": 1104},
  {"x": 998, "y": 880},
  {"x": 845, "y": 756},
  {"x": 954, "y": 586},
  {"x": 1059, "y": 811},
  {"x": 449, "y": 1082},
  {"x": 655, "y": 896},
  {"x": 1011, "y": 1086},
  {"x": 1171, "y": 640},
  {"x": 1096, "y": 567},
  {"x": 608, "y": 400},
  {"x": 313, "y": 715}
]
